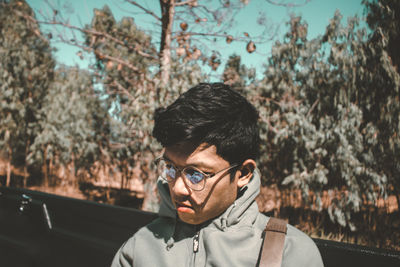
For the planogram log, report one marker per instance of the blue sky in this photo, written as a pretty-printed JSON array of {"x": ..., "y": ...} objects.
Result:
[{"x": 316, "y": 13}]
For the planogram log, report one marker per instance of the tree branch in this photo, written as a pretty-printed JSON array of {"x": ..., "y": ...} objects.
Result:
[
  {"x": 220, "y": 35},
  {"x": 188, "y": 2},
  {"x": 87, "y": 31},
  {"x": 312, "y": 107},
  {"x": 144, "y": 9},
  {"x": 123, "y": 90},
  {"x": 291, "y": 4},
  {"x": 102, "y": 55}
]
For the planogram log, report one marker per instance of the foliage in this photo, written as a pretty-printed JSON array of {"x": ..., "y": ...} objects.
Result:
[
  {"x": 384, "y": 19},
  {"x": 70, "y": 131},
  {"x": 127, "y": 88},
  {"x": 237, "y": 75},
  {"x": 330, "y": 113},
  {"x": 26, "y": 72}
]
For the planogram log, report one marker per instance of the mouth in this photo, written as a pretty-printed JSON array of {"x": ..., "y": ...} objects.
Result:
[{"x": 184, "y": 207}]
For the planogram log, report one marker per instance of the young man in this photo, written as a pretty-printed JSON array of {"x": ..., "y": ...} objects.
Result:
[{"x": 208, "y": 185}]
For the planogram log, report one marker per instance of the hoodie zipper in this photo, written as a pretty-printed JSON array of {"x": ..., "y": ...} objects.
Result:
[{"x": 196, "y": 244}]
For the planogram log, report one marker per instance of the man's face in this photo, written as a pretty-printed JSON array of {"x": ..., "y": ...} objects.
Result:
[{"x": 195, "y": 207}]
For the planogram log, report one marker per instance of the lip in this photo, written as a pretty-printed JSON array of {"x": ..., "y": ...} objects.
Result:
[
  {"x": 183, "y": 207},
  {"x": 180, "y": 204}
]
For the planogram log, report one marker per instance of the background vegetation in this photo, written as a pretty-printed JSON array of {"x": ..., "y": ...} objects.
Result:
[{"x": 329, "y": 109}]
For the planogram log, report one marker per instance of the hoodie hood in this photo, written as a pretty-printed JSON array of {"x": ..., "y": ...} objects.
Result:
[{"x": 244, "y": 204}]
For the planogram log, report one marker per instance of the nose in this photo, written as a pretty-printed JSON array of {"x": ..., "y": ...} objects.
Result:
[{"x": 179, "y": 187}]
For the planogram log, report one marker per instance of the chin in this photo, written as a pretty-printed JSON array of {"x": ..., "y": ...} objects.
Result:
[{"x": 189, "y": 219}]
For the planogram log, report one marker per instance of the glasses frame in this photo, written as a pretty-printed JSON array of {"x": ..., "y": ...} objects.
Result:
[{"x": 182, "y": 170}]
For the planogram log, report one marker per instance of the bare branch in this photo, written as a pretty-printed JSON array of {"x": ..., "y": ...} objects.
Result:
[
  {"x": 102, "y": 34},
  {"x": 290, "y": 4},
  {"x": 87, "y": 31},
  {"x": 188, "y": 2},
  {"x": 120, "y": 61},
  {"x": 124, "y": 91},
  {"x": 312, "y": 107},
  {"x": 144, "y": 9},
  {"x": 214, "y": 34},
  {"x": 102, "y": 55}
]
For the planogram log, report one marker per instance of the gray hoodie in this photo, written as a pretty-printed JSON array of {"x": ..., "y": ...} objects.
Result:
[{"x": 232, "y": 239}]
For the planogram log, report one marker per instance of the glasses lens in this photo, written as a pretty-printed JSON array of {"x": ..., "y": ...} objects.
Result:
[
  {"x": 167, "y": 170},
  {"x": 195, "y": 178},
  {"x": 170, "y": 172}
]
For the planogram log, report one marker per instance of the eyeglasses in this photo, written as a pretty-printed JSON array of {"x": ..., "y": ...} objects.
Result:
[{"x": 192, "y": 176}]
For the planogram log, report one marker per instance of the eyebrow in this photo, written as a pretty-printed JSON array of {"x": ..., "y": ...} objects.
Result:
[
  {"x": 200, "y": 165},
  {"x": 167, "y": 159}
]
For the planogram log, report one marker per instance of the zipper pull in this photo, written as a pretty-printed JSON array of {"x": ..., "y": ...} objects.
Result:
[{"x": 196, "y": 242}]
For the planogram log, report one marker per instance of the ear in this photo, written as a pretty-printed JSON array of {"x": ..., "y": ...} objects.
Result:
[{"x": 246, "y": 172}]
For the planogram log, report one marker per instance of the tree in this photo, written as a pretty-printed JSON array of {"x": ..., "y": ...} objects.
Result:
[
  {"x": 330, "y": 112},
  {"x": 73, "y": 124},
  {"x": 131, "y": 91},
  {"x": 383, "y": 18},
  {"x": 27, "y": 70}
]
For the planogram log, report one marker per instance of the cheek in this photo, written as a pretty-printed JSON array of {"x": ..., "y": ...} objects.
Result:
[
  {"x": 222, "y": 196},
  {"x": 199, "y": 197}
]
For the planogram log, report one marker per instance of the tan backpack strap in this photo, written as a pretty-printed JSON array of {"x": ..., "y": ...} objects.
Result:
[{"x": 274, "y": 239}]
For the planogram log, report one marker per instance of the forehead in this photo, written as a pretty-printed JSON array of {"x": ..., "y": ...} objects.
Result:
[{"x": 184, "y": 154}]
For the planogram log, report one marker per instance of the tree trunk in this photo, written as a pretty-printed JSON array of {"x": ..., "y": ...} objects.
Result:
[
  {"x": 25, "y": 165},
  {"x": 73, "y": 172},
  {"x": 397, "y": 194},
  {"x": 122, "y": 169},
  {"x": 51, "y": 169},
  {"x": 8, "y": 180},
  {"x": 44, "y": 168},
  {"x": 167, "y": 19},
  {"x": 25, "y": 176}
]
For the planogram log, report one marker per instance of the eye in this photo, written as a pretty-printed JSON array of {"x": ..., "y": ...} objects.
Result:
[
  {"x": 168, "y": 165},
  {"x": 194, "y": 176}
]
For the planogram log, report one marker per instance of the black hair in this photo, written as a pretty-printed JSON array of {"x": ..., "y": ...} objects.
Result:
[{"x": 214, "y": 114}]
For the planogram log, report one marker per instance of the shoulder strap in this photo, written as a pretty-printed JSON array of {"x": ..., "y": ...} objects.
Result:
[{"x": 274, "y": 238}]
